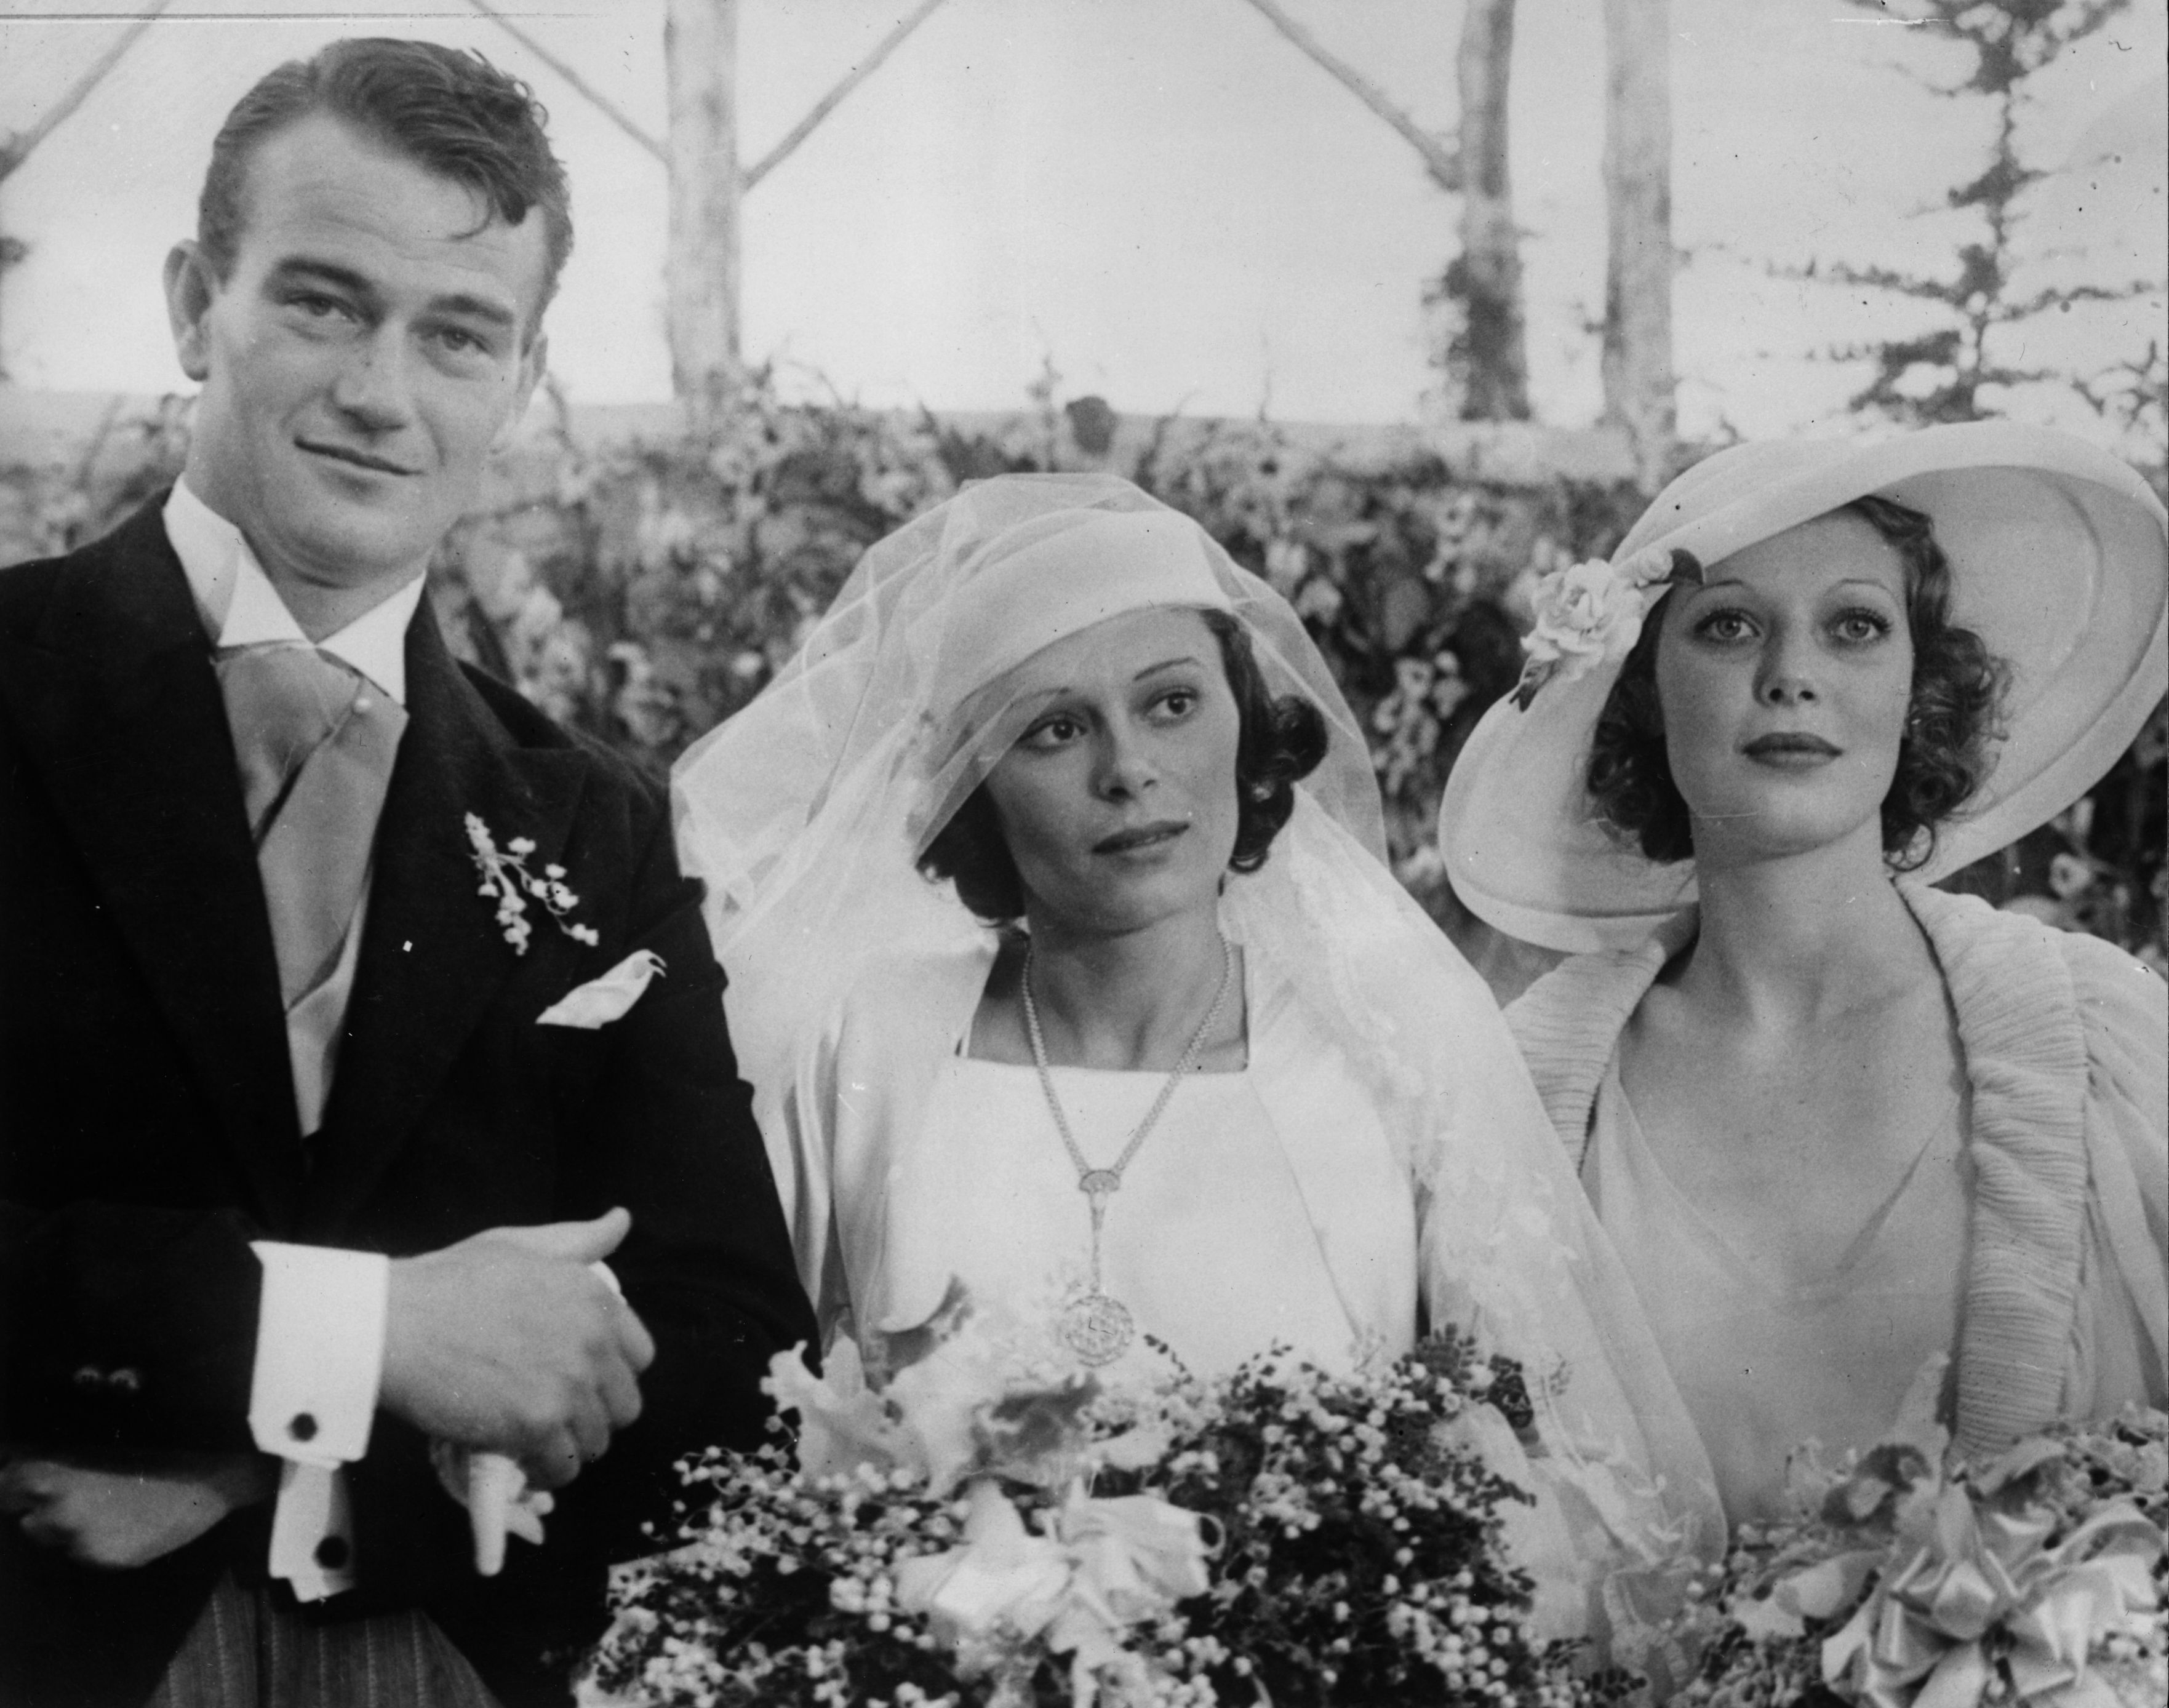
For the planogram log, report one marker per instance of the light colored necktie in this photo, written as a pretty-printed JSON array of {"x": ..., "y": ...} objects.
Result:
[{"x": 316, "y": 741}]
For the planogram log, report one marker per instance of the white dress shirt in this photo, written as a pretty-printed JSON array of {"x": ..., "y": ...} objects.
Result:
[{"x": 320, "y": 1326}]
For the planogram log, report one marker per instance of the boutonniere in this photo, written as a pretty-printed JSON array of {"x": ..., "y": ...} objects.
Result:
[
  {"x": 506, "y": 876},
  {"x": 1591, "y": 613}
]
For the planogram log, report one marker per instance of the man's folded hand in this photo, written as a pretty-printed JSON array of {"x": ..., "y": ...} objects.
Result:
[
  {"x": 508, "y": 1342},
  {"x": 123, "y": 1513}
]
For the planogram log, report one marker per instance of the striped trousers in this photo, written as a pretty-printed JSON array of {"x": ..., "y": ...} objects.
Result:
[{"x": 247, "y": 1651}]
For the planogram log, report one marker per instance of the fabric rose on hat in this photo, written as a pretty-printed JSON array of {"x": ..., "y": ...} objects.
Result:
[{"x": 1589, "y": 614}]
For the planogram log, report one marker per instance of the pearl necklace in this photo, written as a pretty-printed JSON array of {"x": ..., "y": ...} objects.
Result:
[{"x": 1095, "y": 1326}]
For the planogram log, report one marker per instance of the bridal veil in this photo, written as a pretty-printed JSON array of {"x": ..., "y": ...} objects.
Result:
[{"x": 807, "y": 812}]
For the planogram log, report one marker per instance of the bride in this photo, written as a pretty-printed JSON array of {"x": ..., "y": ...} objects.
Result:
[{"x": 1065, "y": 965}]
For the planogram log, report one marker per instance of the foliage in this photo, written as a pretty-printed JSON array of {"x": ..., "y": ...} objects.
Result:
[
  {"x": 1415, "y": 586},
  {"x": 992, "y": 1523},
  {"x": 1972, "y": 355},
  {"x": 2099, "y": 866},
  {"x": 45, "y": 510},
  {"x": 643, "y": 589},
  {"x": 646, "y": 590}
]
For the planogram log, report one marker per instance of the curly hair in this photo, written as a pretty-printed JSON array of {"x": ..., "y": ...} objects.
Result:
[
  {"x": 1279, "y": 742},
  {"x": 447, "y": 109},
  {"x": 1943, "y": 756}
]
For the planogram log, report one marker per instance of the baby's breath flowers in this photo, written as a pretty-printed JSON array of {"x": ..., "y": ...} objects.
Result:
[
  {"x": 1363, "y": 1556},
  {"x": 1280, "y": 1535}
]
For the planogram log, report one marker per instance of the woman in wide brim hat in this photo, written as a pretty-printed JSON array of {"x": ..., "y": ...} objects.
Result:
[
  {"x": 1053, "y": 864},
  {"x": 1839, "y": 1123}
]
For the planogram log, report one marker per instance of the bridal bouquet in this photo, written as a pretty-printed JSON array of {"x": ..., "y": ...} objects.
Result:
[
  {"x": 1912, "y": 1579},
  {"x": 980, "y": 1525}
]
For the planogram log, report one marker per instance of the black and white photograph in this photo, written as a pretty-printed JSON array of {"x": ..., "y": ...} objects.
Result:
[{"x": 1083, "y": 854}]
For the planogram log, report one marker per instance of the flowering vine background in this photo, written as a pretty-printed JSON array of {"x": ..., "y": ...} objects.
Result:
[{"x": 643, "y": 589}]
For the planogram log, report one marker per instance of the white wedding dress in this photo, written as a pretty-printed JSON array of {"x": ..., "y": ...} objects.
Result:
[
  {"x": 1267, "y": 1208},
  {"x": 1209, "y": 1242},
  {"x": 1270, "y": 1208}
]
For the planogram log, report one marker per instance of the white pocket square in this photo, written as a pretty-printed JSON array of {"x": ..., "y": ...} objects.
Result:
[{"x": 601, "y": 1000}]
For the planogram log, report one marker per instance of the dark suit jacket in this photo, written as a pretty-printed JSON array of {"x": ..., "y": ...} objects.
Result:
[{"x": 147, "y": 1129}]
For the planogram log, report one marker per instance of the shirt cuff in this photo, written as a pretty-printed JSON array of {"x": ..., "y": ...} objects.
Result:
[
  {"x": 319, "y": 1351},
  {"x": 313, "y": 1532}
]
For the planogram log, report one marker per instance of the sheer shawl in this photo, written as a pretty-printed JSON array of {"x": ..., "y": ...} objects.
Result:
[{"x": 806, "y": 813}]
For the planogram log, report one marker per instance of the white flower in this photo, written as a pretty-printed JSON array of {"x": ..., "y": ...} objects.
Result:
[
  {"x": 2068, "y": 875},
  {"x": 504, "y": 875},
  {"x": 1287, "y": 562},
  {"x": 1587, "y": 614}
]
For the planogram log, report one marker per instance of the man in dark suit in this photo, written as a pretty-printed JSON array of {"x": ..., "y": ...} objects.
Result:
[{"x": 303, "y": 1177}]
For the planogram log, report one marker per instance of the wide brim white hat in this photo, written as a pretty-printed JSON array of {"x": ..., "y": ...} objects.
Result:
[{"x": 2060, "y": 558}]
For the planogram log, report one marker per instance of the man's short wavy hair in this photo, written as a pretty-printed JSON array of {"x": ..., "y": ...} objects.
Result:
[
  {"x": 1280, "y": 742},
  {"x": 1943, "y": 756},
  {"x": 447, "y": 109}
]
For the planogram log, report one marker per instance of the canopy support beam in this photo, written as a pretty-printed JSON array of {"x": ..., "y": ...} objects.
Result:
[{"x": 1441, "y": 161}]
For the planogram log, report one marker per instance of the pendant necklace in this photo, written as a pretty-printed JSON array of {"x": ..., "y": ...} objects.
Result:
[{"x": 1095, "y": 1326}]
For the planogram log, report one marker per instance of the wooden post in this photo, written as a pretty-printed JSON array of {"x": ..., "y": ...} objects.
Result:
[
  {"x": 1638, "y": 272},
  {"x": 1485, "y": 354},
  {"x": 700, "y": 44}
]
